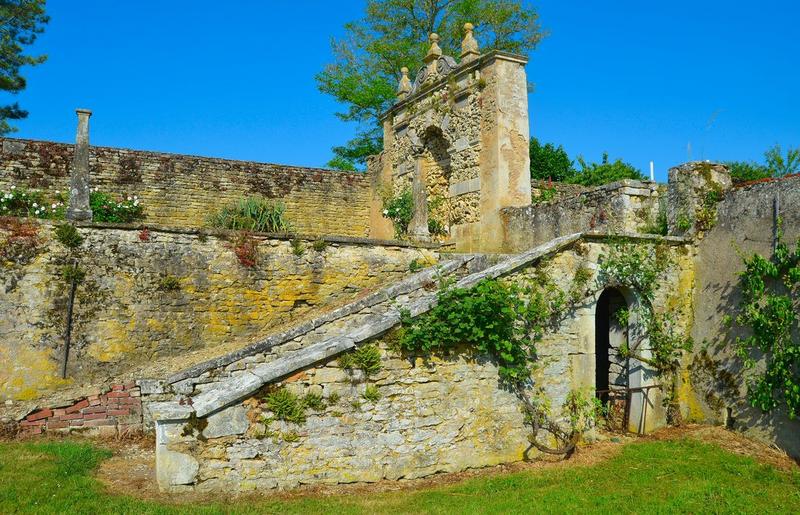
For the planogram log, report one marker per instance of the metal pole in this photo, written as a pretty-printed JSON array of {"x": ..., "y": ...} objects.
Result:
[{"x": 68, "y": 333}]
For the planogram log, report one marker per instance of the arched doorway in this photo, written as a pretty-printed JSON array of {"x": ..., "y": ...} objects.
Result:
[{"x": 612, "y": 371}]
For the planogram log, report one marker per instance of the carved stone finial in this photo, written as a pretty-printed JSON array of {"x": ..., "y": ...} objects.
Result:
[
  {"x": 435, "y": 51},
  {"x": 469, "y": 46},
  {"x": 404, "y": 88}
]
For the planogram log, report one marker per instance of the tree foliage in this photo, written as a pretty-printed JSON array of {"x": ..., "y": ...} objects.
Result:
[
  {"x": 595, "y": 174},
  {"x": 776, "y": 164},
  {"x": 21, "y": 21},
  {"x": 394, "y": 33},
  {"x": 549, "y": 162}
]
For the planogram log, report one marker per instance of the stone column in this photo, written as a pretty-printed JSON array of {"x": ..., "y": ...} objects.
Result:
[
  {"x": 418, "y": 227},
  {"x": 79, "y": 208}
]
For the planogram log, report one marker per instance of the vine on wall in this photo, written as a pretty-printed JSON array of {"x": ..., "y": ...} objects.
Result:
[{"x": 769, "y": 310}]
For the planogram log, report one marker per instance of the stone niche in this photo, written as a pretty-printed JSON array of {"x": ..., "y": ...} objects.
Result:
[{"x": 461, "y": 129}]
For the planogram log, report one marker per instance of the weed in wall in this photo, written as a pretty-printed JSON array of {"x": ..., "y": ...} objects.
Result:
[
  {"x": 319, "y": 245},
  {"x": 334, "y": 398},
  {"x": 70, "y": 273},
  {"x": 245, "y": 247},
  {"x": 371, "y": 393},
  {"x": 366, "y": 358},
  {"x": 169, "y": 283},
  {"x": 251, "y": 214},
  {"x": 68, "y": 235},
  {"x": 298, "y": 249},
  {"x": 286, "y": 406},
  {"x": 314, "y": 401}
]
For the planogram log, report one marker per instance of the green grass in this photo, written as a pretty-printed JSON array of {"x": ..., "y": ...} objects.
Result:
[{"x": 652, "y": 477}]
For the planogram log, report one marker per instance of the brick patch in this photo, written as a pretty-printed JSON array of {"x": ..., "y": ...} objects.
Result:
[{"x": 120, "y": 407}]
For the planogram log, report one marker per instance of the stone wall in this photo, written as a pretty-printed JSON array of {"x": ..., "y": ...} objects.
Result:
[
  {"x": 744, "y": 224},
  {"x": 626, "y": 206},
  {"x": 181, "y": 191},
  {"x": 159, "y": 299},
  {"x": 430, "y": 414}
]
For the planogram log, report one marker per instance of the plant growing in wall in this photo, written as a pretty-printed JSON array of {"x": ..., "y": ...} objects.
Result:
[
  {"x": 254, "y": 213},
  {"x": 245, "y": 247},
  {"x": 68, "y": 235},
  {"x": 31, "y": 203},
  {"x": 769, "y": 311},
  {"x": 19, "y": 241},
  {"x": 399, "y": 209}
]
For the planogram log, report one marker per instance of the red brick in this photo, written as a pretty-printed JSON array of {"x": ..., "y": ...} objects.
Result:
[
  {"x": 118, "y": 412},
  {"x": 112, "y": 395},
  {"x": 75, "y": 423},
  {"x": 78, "y": 406},
  {"x": 99, "y": 422},
  {"x": 95, "y": 416},
  {"x": 130, "y": 386},
  {"x": 95, "y": 402},
  {"x": 40, "y": 415},
  {"x": 73, "y": 416},
  {"x": 32, "y": 423},
  {"x": 94, "y": 409},
  {"x": 117, "y": 387},
  {"x": 60, "y": 411},
  {"x": 34, "y": 430},
  {"x": 57, "y": 424}
]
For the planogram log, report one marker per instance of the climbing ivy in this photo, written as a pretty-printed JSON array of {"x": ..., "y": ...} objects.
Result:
[
  {"x": 493, "y": 317},
  {"x": 769, "y": 309}
]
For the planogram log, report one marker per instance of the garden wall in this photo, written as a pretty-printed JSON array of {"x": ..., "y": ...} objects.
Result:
[
  {"x": 624, "y": 206},
  {"x": 745, "y": 224},
  {"x": 156, "y": 300},
  {"x": 423, "y": 415},
  {"x": 181, "y": 191}
]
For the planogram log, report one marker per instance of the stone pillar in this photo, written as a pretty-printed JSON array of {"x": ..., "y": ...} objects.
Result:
[
  {"x": 418, "y": 227},
  {"x": 693, "y": 190},
  {"x": 79, "y": 189}
]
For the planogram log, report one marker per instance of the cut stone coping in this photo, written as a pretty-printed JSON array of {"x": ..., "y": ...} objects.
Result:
[
  {"x": 246, "y": 383},
  {"x": 412, "y": 283}
]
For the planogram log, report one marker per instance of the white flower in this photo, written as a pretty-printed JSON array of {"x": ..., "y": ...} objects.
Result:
[
  {"x": 13, "y": 187},
  {"x": 53, "y": 206},
  {"x": 35, "y": 204},
  {"x": 385, "y": 211},
  {"x": 129, "y": 199},
  {"x": 135, "y": 197}
]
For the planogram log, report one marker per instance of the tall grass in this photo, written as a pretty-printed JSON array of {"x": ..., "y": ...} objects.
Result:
[{"x": 251, "y": 214}]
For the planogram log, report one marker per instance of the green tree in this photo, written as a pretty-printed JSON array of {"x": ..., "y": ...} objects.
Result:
[
  {"x": 393, "y": 34},
  {"x": 549, "y": 162},
  {"x": 776, "y": 164},
  {"x": 595, "y": 174},
  {"x": 20, "y": 22}
]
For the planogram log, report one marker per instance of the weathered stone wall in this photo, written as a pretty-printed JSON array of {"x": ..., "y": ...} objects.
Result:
[
  {"x": 621, "y": 207},
  {"x": 433, "y": 414},
  {"x": 182, "y": 191},
  {"x": 744, "y": 225},
  {"x": 153, "y": 299}
]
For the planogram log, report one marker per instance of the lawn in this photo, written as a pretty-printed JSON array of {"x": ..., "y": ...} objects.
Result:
[{"x": 648, "y": 477}]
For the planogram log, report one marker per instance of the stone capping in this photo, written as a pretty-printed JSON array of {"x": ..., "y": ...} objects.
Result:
[
  {"x": 242, "y": 385},
  {"x": 460, "y": 70},
  {"x": 14, "y": 148},
  {"x": 223, "y": 233},
  {"x": 405, "y": 286}
]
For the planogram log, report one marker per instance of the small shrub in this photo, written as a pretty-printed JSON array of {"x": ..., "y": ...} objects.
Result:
[
  {"x": 169, "y": 283},
  {"x": 144, "y": 234},
  {"x": 371, "y": 393},
  {"x": 366, "y": 358},
  {"x": 246, "y": 249},
  {"x": 579, "y": 283},
  {"x": 285, "y": 405},
  {"x": 356, "y": 404},
  {"x": 659, "y": 225},
  {"x": 314, "y": 401},
  {"x": 334, "y": 398},
  {"x": 68, "y": 235},
  {"x": 684, "y": 223},
  {"x": 251, "y": 214},
  {"x": 545, "y": 195},
  {"x": 21, "y": 202},
  {"x": 415, "y": 266},
  {"x": 70, "y": 273},
  {"x": 319, "y": 245},
  {"x": 297, "y": 247},
  {"x": 400, "y": 210},
  {"x": 105, "y": 208}
]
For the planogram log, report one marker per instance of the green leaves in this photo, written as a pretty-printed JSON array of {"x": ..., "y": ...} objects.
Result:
[
  {"x": 23, "y": 20},
  {"x": 495, "y": 318},
  {"x": 769, "y": 309},
  {"x": 252, "y": 214}
]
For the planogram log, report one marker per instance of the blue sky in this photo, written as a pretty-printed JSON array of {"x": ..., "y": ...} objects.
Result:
[{"x": 641, "y": 80}]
